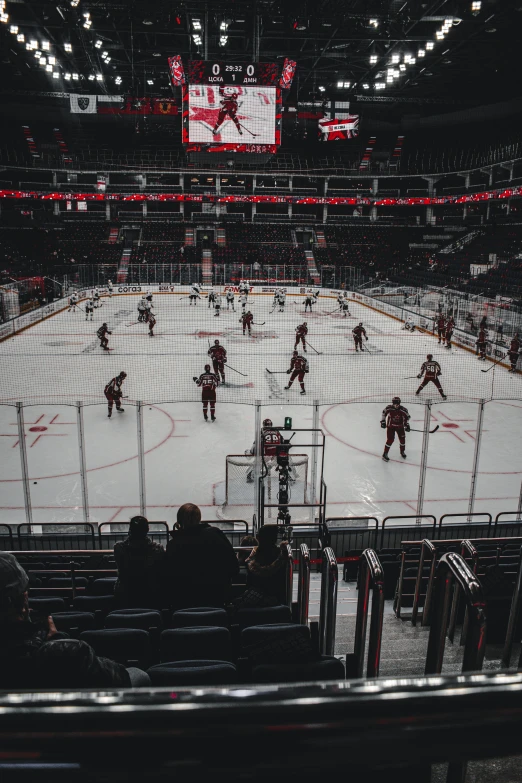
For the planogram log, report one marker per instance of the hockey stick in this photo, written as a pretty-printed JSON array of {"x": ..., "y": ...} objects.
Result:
[
  {"x": 494, "y": 363},
  {"x": 244, "y": 374},
  {"x": 430, "y": 431},
  {"x": 255, "y": 135},
  {"x": 261, "y": 324},
  {"x": 276, "y": 372},
  {"x": 319, "y": 353},
  {"x": 133, "y": 323},
  {"x": 366, "y": 349},
  {"x": 409, "y": 378}
]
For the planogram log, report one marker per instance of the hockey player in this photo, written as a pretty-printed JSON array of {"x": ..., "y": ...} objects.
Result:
[
  {"x": 345, "y": 307},
  {"x": 208, "y": 383},
  {"x": 211, "y": 296},
  {"x": 298, "y": 368},
  {"x": 246, "y": 319},
  {"x": 218, "y": 354},
  {"x": 409, "y": 324},
  {"x": 270, "y": 440},
  {"x": 89, "y": 308},
  {"x": 481, "y": 345},
  {"x": 229, "y": 108},
  {"x": 450, "y": 328},
  {"x": 244, "y": 287},
  {"x": 109, "y": 287},
  {"x": 148, "y": 310},
  {"x": 340, "y": 300},
  {"x": 152, "y": 323},
  {"x": 300, "y": 335},
  {"x": 73, "y": 301},
  {"x": 358, "y": 333},
  {"x": 230, "y": 300},
  {"x": 431, "y": 371},
  {"x": 514, "y": 352},
  {"x": 194, "y": 294},
  {"x": 114, "y": 393},
  {"x": 441, "y": 328},
  {"x": 102, "y": 333},
  {"x": 276, "y": 298},
  {"x": 243, "y": 302},
  {"x": 394, "y": 420},
  {"x": 281, "y": 300},
  {"x": 141, "y": 310},
  {"x": 148, "y": 297},
  {"x": 96, "y": 297},
  {"x": 217, "y": 305},
  {"x": 309, "y": 301}
]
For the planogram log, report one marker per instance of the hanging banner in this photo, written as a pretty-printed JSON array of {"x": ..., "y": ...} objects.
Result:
[{"x": 83, "y": 104}]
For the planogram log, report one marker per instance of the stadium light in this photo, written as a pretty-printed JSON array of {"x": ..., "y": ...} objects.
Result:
[
  {"x": 421, "y": 53},
  {"x": 49, "y": 68},
  {"x": 43, "y": 61},
  {"x": 67, "y": 77},
  {"x": 99, "y": 77},
  {"x": 379, "y": 85},
  {"x": 75, "y": 77},
  {"x": 56, "y": 75},
  {"x": 108, "y": 59},
  {"x": 87, "y": 24},
  {"x": 389, "y": 79},
  {"x": 67, "y": 47},
  {"x": 373, "y": 59},
  {"x": 4, "y": 18},
  {"x": 51, "y": 60},
  {"x": 38, "y": 54},
  {"x": 321, "y": 88},
  {"x": 340, "y": 85},
  {"x": 476, "y": 5},
  {"x": 223, "y": 26},
  {"x": 150, "y": 81},
  {"x": 223, "y": 40},
  {"x": 13, "y": 29},
  {"x": 374, "y": 22},
  {"x": 118, "y": 80},
  {"x": 20, "y": 37},
  {"x": 75, "y": 3},
  {"x": 196, "y": 24},
  {"x": 439, "y": 35},
  {"x": 347, "y": 84},
  {"x": 98, "y": 44},
  {"x": 396, "y": 58},
  {"x": 104, "y": 54},
  {"x": 197, "y": 39},
  {"x": 429, "y": 45},
  {"x": 46, "y": 46},
  {"x": 91, "y": 77},
  {"x": 366, "y": 86}
]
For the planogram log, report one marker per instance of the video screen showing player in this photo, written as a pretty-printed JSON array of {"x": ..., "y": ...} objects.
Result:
[{"x": 232, "y": 114}]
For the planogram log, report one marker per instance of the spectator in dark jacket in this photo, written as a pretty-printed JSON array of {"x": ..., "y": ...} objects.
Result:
[
  {"x": 201, "y": 562},
  {"x": 33, "y": 654},
  {"x": 140, "y": 564},
  {"x": 266, "y": 567}
]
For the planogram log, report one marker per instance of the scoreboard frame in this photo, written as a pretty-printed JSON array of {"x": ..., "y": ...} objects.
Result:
[{"x": 218, "y": 72}]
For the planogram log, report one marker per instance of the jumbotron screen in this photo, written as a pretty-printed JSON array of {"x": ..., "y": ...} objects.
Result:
[{"x": 232, "y": 116}]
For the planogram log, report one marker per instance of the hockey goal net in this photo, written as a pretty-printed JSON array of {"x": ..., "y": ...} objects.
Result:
[{"x": 239, "y": 486}]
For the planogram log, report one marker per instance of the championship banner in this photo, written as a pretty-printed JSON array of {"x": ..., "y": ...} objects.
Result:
[
  {"x": 287, "y": 75},
  {"x": 177, "y": 74},
  {"x": 337, "y": 129},
  {"x": 83, "y": 104},
  {"x": 164, "y": 106}
]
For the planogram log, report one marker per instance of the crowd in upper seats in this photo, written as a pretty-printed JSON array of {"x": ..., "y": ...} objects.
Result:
[{"x": 196, "y": 569}]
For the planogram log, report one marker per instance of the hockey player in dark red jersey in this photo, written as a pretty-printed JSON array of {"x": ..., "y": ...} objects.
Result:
[
  {"x": 431, "y": 371},
  {"x": 102, "y": 333},
  {"x": 228, "y": 108},
  {"x": 246, "y": 319},
  {"x": 358, "y": 333},
  {"x": 300, "y": 335},
  {"x": 218, "y": 355},
  {"x": 298, "y": 368},
  {"x": 114, "y": 393},
  {"x": 152, "y": 323},
  {"x": 270, "y": 440},
  {"x": 450, "y": 328},
  {"x": 208, "y": 383},
  {"x": 514, "y": 352},
  {"x": 441, "y": 327},
  {"x": 394, "y": 420},
  {"x": 481, "y": 345}
]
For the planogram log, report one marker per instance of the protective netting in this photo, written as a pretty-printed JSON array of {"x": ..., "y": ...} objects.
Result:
[
  {"x": 59, "y": 360},
  {"x": 239, "y": 489}
]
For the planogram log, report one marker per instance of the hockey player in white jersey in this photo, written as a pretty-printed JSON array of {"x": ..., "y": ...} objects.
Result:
[
  {"x": 230, "y": 300},
  {"x": 243, "y": 301},
  {"x": 109, "y": 287},
  {"x": 409, "y": 324},
  {"x": 211, "y": 296},
  {"x": 217, "y": 304},
  {"x": 96, "y": 297},
  {"x": 141, "y": 310},
  {"x": 73, "y": 301},
  {"x": 281, "y": 300},
  {"x": 89, "y": 309},
  {"x": 194, "y": 294}
]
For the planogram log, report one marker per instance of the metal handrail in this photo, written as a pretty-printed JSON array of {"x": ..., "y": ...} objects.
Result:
[
  {"x": 408, "y": 516},
  {"x": 466, "y": 549},
  {"x": 10, "y": 533},
  {"x": 489, "y": 519},
  {"x": 89, "y": 532},
  {"x": 328, "y": 607},
  {"x": 453, "y": 569},
  {"x": 370, "y": 575},
  {"x": 289, "y": 575},
  {"x": 125, "y": 532},
  {"x": 514, "y": 614},
  {"x": 303, "y": 590},
  {"x": 425, "y": 547}
]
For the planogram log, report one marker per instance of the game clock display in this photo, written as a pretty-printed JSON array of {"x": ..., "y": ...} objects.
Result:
[{"x": 220, "y": 73}]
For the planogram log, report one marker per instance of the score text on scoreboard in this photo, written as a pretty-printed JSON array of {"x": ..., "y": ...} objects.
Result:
[{"x": 218, "y": 72}]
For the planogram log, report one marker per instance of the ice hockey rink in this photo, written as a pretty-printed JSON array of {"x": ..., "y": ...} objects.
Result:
[{"x": 57, "y": 362}]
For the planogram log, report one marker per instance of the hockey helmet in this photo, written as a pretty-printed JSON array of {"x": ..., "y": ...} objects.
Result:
[
  {"x": 104, "y": 324},
  {"x": 429, "y": 357},
  {"x": 295, "y": 353},
  {"x": 304, "y": 323},
  {"x": 267, "y": 423},
  {"x": 396, "y": 401},
  {"x": 207, "y": 367},
  {"x": 216, "y": 342},
  {"x": 360, "y": 323},
  {"x": 123, "y": 374}
]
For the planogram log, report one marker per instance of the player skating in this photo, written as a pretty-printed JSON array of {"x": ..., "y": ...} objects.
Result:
[
  {"x": 217, "y": 305},
  {"x": 208, "y": 383},
  {"x": 110, "y": 288},
  {"x": 441, "y": 328},
  {"x": 229, "y": 107},
  {"x": 218, "y": 354},
  {"x": 152, "y": 323},
  {"x": 148, "y": 297},
  {"x": 300, "y": 335},
  {"x": 114, "y": 393},
  {"x": 298, "y": 368},
  {"x": 73, "y": 302},
  {"x": 194, "y": 294},
  {"x": 243, "y": 298},
  {"x": 409, "y": 324},
  {"x": 345, "y": 306},
  {"x": 244, "y": 287},
  {"x": 358, "y": 333},
  {"x": 141, "y": 310},
  {"x": 281, "y": 300},
  {"x": 431, "y": 371},
  {"x": 211, "y": 296},
  {"x": 230, "y": 300},
  {"x": 514, "y": 352},
  {"x": 309, "y": 301},
  {"x": 481, "y": 345},
  {"x": 270, "y": 440},
  {"x": 450, "y": 328},
  {"x": 102, "y": 333},
  {"x": 96, "y": 297},
  {"x": 148, "y": 310},
  {"x": 246, "y": 319},
  {"x": 394, "y": 420},
  {"x": 89, "y": 309}
]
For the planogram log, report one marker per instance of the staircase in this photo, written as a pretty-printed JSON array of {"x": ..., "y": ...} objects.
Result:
[
  {"x": 113, "y": 235},
  {"x": 367, "y": 154},
  {"x": 458, "y": 244},
  {"x": 206, "y": 267},
  {"x": 312, "y": 268},
  {"x": 321, "y": 239},
  {"x": 221, "y": 238},
  {"x": 123, "y": 268},
  {"x": 189, "y": 236}
]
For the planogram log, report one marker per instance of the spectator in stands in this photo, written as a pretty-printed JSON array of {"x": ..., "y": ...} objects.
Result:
[
  {"x": 33, "y": 654},
  {"x": 201, "y": 562},
  {"x": 140, "y": 564},
  {"x": 249, "y": 542},
  {"x": 266, "y": 569}
]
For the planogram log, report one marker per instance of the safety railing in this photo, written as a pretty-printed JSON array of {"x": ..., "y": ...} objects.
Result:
[
  {"x": 454, "y": 573},
  {"x": 419, "y": 530},
  {"x": 113, "y": 536},
  {"x": 328, "y": 605},
  {"x": 289, "y": 581},
  {"x": 6, "y": 538},
  {"x": 370, "y": 577},
  {"x": 482, "y": 520},
  {"x": 427, "y": 548},
  {"x": 303, "y": 585},
  {"x": 56, "y": 533},
  {"x": 513, "y": 619},
  {"x": 348, "y": 533}
]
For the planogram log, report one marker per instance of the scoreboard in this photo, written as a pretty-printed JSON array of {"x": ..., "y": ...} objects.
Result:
[{"x": 218, "y": 72}]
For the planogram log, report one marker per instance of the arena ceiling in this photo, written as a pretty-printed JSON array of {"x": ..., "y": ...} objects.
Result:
[{"x": 458, "y": 51}]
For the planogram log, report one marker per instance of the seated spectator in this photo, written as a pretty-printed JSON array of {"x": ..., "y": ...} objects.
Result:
[
  {"x": 201, "y": 562},
  {"x": 34, "y": 655},
  {"x": 249, "y": 542},
  {"x": 140, "y": 564},
  {"x": 266, "y": 570}
]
